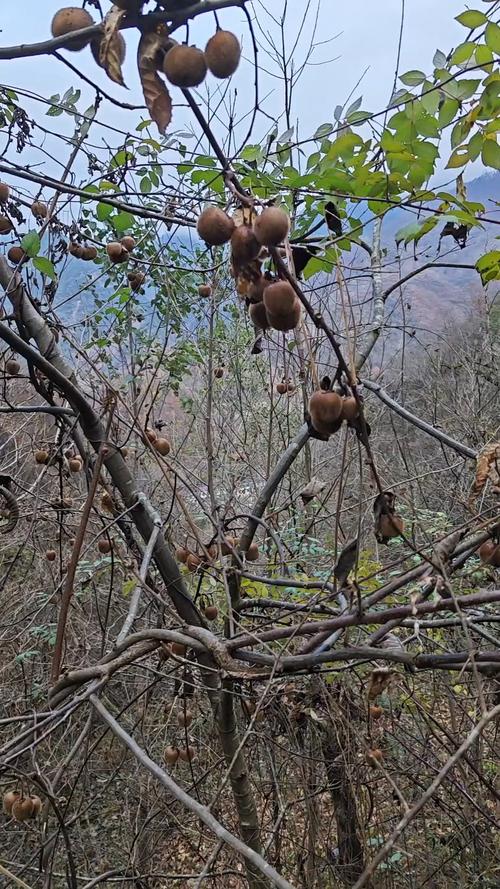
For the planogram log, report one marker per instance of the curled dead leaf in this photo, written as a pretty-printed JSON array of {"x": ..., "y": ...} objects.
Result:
[
  {"x": 157, "y": 97},
  {"x": 487, "y": 468},
  {"x": 110, "y": 48}
]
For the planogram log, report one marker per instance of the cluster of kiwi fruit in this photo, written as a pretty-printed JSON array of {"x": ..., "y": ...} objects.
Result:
[
  {"x": 328, "y": 410},
  {"x": 193, "y": 561},
  {"x": 87, "y": 252},
  {"x": 5, "y": 223},
  {"x": 72, "y": 18},
  {"x": 21, "y": 807},
  {"x": 16, "y": 254},
  {"x": 286, "y": 387},
  {"x": 159, "y": 443},
  {"x": 187, "y": 66}
]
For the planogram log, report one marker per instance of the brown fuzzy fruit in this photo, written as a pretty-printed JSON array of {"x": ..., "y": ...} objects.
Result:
[
  {"x": 211, "y": 612},
  {"x": 374, "y": 756},
  {"x": 150, "y": 434},
  {"x": 22, "y": 808},
  {"x": 162, "y": 445},
  {"x": 37, "y": 805},
  {"x": 128, "y": 242},
  {"x": 171, "y": 755},
  {"x": 282, "y": 306},
  {"x": 116, "y": 252},
  {"x": 349, "y": 408},
  {"x": 179, "y": 649},
  {"x": 222, "y": 54},
  {"x": 184, "y": 718},
  {"x": 76, "y": 250},
  {"x": 16, "y": 255},
  {"x": 104, "y": 546},
  {"x": 215, "y": 227},
  {"x": 41, "y": 456},
  {"x": 271, "y": 227},
  {"x": 5, "y": 225},
  {"x": 9, "y": 799},
  {"x": 489, "y": 553},
  {"x": 205, "y": 291},
  {"x": 255, "y": 290},
  {"x": 281, "y": 388},
  {"x": 193, "y": 562},
  {"x": 219, "y": 373},
  {"x": 376, "y": 712},
  {"x": 244, "y": 245},
  {"x": 181, "y": 554},
  {"x": 258, "y": 315},
  {"x": 89, "y": 253},
  {"x": 325, "y": 409},
  {"x": 50, "y": 555},
  {"x": 187, "y": 753},
  {"x": 39, "y": 209},
  {"x": 185, "y": 66},
  {"x": 252, "y": 553},
  {"x": 4, "y": 192},
  {"x": 75, "y": 464},
  {"x": 69, "y": 19},
  {"x": 136, "y": 280},
  {"x": 12, "y": 367},
  {"x": 391, "y": 525}
]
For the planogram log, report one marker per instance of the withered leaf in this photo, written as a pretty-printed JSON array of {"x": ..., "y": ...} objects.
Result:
[
  {"x": 487, "y": 467},
  {"x": 110, "y": 51},
  {"x": 346, "y": 562},
  {"x": 156, "y": 94}
]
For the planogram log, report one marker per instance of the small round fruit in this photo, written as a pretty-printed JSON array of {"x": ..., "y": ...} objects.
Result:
[
  {"x": 50, "y": 555},
  {"x": 76, "y": 250},
  {"x": 69, "y": 19},
  {"x": 39, "y": 209},
  {"x": 104, "y": 546},
  {"x": 4, "y": 192},
  {"x": 211, "y": 612},
  {"x": 281, "y": 388},
  {"x": 255, "y": 290},
  {"x": 184, "y": 718},
  {"x": 252, "y": 553},
  {"x": 205, "y": 291},
  {"x": 89, "y": 253},
  {"x": 185, "y": 66},
  {"x": 244, "y": 245},
  {"x": 136, "y": 280},
  {"x": 187, "y": 754},
  {"x": 150, "y": 434},
  {"x": 349, "y": 408},
  {"x": 258, "y": 315},
  {"x": 325, "y": 409},
  {"x": 271, "y": 227},
  {"x": 282, "y": 306},
  {"x": 22, "y": 808},
  {"x": 374, "y": 756},
  {"x": 215, "y": 227},
  {"x": 219, "y": 373},
  {"x": 179, "y": 649},
  {"x": 171, "y": 755},
  {"x": 489, "y": 553},
  {"x": 5, "y": 225},
  {"x": 75, "y": 464},
  {"x": 41, "y": 456},
  {"x": 9, "y": 799},
  {"x": 222, "y": 54},
  {"x": 37, "y": 805},
  {"x": 128, "y": 242},
  {"x": 162, "y": 445},
  {"x": 12, "y": 367},
  {"x": 16, "y": 255},
  {"x": 116, "y": 252},
  {"x": 193, "y": 562},
  {"x": 376, "y": 712},
  {"x": 181, "y": 554}
]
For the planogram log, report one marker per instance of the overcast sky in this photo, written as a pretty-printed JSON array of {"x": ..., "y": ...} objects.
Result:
[{"x": 365, "y": 36}]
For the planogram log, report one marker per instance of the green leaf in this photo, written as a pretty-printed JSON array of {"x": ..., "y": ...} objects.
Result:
[
  {"x": 471, "y": 18},
  {"x": 122, "y": 221},
  {"x": 459, "y": 158},
  {"x": 463, "y": 53},
  {"x": 31, "y": 243},
  {"x": 466, "y": 88},
  {"x": 251, "y": 153},
  {"x": 326, "y": 129},
  {"x": 439, "y": 60},
  {"x": 493, "y": 37},
  {"x": 488, "y": 266},
  {"x": 412, "y": 78},
  {"x": 427, "y": 126},
  {"x": 103, "y": 211},
  {"x": 358, "y": 117},
  {"x": 490, "y": 154},
  {"x": 447, "y": 112},
  {"x": 45, "y": 266}
]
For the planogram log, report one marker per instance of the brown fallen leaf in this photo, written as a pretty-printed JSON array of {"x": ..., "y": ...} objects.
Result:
[
  {"x": 156, "y": 94},
  {"x": 110, "y": 56},
  {"x": 487, "y": 467}
]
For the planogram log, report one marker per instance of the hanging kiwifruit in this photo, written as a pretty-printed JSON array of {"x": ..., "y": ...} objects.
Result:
[
  {"x": 374, "y": 756},
  {"x": 162, "y": 445},
  {"x": 281, "y": 388},
  {"x": 179, "y": 649},
  {"x": 255, "y": 289},
  {"x": 39, "y": 209},
  {"x": 136, "y": 279},
  {"x": 5, "y": 225},
  {"x": 218, "y": 373},
  {"x": 37, "y": 805},
  {"x": 186, "y": 754},
  {"x": 89, "y": 253},
  {"x": 9, "y": 799},
  {"x": 244, "y": 245},
  {"x": 193, "y": 562},
  {"x": 205, "y": 291},
  {"x": 22, "y": 808},
  {"x": 104, "y": 545},
  {"x": 41, "y": 456},
  {"x": 376, "y": 712},
  {"x": 271, "y": 227},
  {"x": 222, "y": 54},
  {"x": 4, "y": 192},
  {"x": 116, "y": 251},
  {"x": 69, "y": 19},
  {"x": 12, "y": 367},
  {"x": 184, "y": 718},
  {"x": 185, "y": 66},
  {"x": 282, "y": 306},
  {"x": 16, "y": 254},
  {"x": 325, "y": 409},
  {"x": 489, "y": 553},
  {"x": 75, "y": 249},
  {"x": 214, "y": 226},
  {"x": 128, "y": 242},
  {"x": 349, "y": 408},
  {"x": 75, "y": 464},
  {"x": 252, "y": 553},
  {"x": 150, "y": 434},
  {"x": 50, "y": 555},
  {"x": 258, "y": 315},
  {"x": 181, "y": 554},
  {"x": 171, "y": 755},
  {"x": 211, "y": 612}
]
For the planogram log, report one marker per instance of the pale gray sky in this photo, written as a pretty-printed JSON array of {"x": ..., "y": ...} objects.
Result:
[{"x": 367, "y": 38}]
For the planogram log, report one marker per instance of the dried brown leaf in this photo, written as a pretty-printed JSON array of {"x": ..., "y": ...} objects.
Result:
[
  {"x": 156, "y": 94},
  {"x": 487, "y": 467},
  {"x": 109, "y": 49}
]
